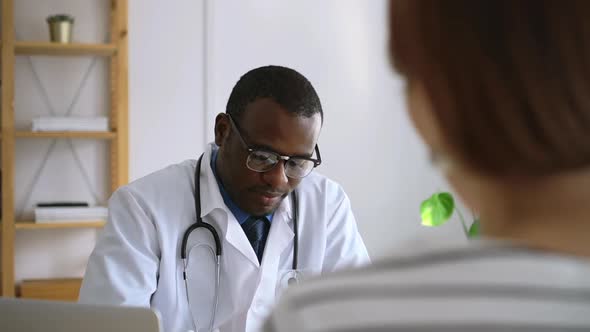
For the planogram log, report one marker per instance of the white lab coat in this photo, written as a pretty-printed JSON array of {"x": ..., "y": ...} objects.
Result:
[{"x": 137, "y": 256}]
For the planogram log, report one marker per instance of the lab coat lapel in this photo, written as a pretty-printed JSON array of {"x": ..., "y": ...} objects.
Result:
[
  {"x": 280, "y": 236},
  {"x": 237, "y": 238},
  {"x": 229, "y": 228}
]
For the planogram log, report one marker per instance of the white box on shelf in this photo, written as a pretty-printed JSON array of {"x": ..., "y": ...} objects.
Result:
[
  {"x": 68, "y": 214},
  {"x": 70, "y": 123}
]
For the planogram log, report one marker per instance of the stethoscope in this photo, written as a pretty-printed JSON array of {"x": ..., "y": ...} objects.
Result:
[{"x": 218, "y": 250}]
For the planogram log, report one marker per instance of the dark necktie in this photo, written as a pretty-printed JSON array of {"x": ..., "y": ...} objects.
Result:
[{"x": 256, "y": 229}]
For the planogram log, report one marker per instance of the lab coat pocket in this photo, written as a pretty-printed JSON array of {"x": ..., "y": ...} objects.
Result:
[{"x": 201, "y": 277}]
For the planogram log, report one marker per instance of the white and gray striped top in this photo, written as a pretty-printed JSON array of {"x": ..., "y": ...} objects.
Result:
[{"x": 484, "y": 287}]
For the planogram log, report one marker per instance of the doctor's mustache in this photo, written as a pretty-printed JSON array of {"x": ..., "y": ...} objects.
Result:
[{"x": 268, "y": 191}]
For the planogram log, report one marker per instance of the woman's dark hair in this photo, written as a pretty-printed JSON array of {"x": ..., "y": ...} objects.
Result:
[{"x": 508, "y": 80}]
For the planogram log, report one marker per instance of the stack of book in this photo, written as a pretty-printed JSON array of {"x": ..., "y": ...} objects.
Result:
[
  {"x": 69, "y": 212},
  {"x": 70, "y": 123}
]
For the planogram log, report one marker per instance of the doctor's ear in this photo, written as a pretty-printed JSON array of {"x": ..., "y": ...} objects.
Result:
[{"x": 222, "y": 128}]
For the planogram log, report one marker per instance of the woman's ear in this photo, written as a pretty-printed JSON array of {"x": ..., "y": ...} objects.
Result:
[{"x": 222, "y": 128}]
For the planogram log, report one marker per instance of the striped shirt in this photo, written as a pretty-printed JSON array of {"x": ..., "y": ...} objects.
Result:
[{"x": 485, "y": 287}]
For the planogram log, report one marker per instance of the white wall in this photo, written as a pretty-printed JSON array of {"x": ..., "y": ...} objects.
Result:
[
  {"x": 166, "y": 83},
  {"x": 367, "y": 142}
]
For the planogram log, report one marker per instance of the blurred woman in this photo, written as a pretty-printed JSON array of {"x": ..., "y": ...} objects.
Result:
[{"x": 500, "y": 92}]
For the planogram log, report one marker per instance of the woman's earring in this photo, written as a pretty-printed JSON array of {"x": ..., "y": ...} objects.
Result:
[{"x": 441, "y": 161}]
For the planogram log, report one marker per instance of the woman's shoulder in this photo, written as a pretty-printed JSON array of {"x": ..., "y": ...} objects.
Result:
[{"x": 399, "y": 288}]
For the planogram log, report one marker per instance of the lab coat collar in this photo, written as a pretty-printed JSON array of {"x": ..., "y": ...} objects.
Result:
[
  {"x": 210, "y": 189},
  {"x": 230, "y": 230},
  {"x": 211, "y": 198},
  {"x": 286, "y": 206}
]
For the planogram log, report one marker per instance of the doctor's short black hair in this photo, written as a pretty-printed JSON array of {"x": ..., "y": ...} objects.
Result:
[{"x": 283, "y": 85}]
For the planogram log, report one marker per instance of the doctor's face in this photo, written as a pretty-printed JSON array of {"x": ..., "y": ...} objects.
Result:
[{"x": 264, "y": 124}]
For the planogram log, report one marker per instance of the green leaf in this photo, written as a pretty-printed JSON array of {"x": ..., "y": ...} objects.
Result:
[
  {"x": 437, "y": 209},
  {"x": 474, "y": 229}
]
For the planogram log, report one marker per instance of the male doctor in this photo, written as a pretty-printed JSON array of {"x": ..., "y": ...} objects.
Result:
[{"x": 265, "y": 151}]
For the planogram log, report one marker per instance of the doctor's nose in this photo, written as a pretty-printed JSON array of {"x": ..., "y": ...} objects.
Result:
[{"x": 276, "y": 177}]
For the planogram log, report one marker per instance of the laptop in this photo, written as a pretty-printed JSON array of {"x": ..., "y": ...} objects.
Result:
[{"x": 52, "y": 316}]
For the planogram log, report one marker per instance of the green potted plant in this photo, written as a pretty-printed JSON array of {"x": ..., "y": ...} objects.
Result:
[{"x": 438, "y": 209}]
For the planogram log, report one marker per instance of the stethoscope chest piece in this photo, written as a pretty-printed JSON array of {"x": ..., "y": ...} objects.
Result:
[{"x": 289, "y": 278}]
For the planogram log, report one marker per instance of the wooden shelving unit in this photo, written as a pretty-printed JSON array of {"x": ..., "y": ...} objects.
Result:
[{"x": 117, "y": 52}]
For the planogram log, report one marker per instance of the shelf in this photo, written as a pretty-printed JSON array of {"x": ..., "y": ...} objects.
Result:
[
  {"x": 31, "y": 225},
  {"x": 67, "y": 134},
  {"x": 46, "y": 48},
  {"x": 66, "y": 289}
]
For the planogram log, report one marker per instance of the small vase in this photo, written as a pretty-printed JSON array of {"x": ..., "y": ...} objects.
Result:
[{"x": 60, "y": 28}]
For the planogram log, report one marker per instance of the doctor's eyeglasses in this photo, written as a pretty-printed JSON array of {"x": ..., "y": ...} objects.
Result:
[{"x": 260, "y": 160}]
